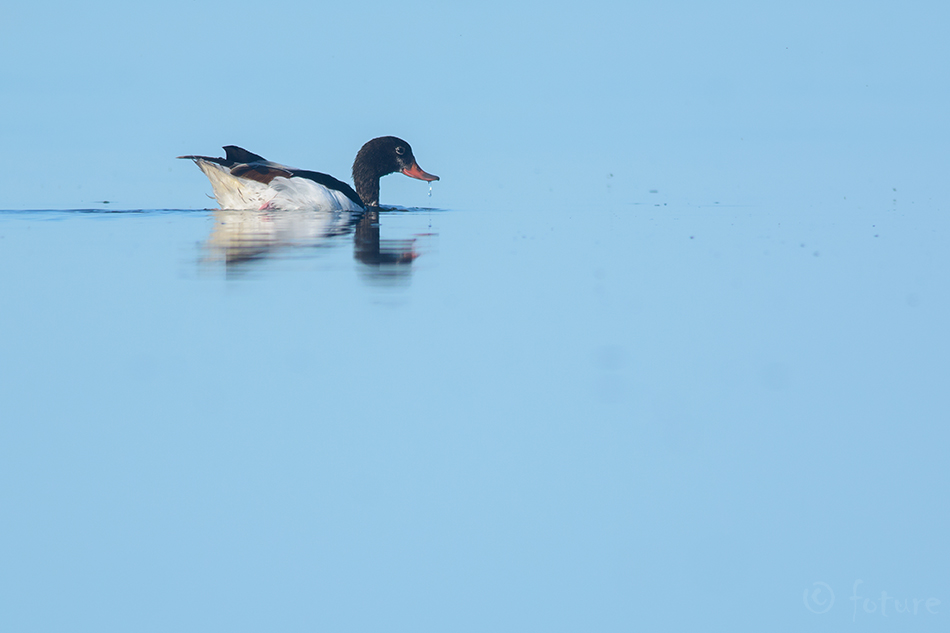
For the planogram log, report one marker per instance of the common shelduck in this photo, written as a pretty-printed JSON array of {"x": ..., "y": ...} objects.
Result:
[{"x": 243, "y": 180}]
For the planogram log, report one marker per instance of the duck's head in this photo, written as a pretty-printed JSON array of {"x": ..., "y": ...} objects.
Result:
[{"x": 380, "y": 157}]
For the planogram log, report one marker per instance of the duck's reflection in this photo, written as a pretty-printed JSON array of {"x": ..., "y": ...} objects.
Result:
[{"x": 241, "y": 238}]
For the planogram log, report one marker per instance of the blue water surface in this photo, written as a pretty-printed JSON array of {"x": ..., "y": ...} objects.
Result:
[
  {"x": 542, "y": 418},
  {"x": 666, "y": 348}
]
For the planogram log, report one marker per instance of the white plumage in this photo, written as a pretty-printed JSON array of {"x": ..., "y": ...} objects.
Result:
[{"x": 234, "y": 192}]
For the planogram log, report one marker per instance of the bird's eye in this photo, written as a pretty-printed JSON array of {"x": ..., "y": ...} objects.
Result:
[{"x": 400, "y": 150}]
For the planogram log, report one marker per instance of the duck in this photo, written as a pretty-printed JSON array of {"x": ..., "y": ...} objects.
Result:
[{"x": 245, "y": 181}]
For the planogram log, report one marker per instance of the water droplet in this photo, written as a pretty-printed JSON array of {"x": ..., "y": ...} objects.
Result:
[{"x": 430, "y": 190}]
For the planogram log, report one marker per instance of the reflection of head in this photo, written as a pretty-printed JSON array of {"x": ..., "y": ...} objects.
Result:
[{"x": 384, "y": 258}]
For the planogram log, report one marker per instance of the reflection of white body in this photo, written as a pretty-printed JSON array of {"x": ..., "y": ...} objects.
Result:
[
  {"x": 241, "y": 235},
  {"x": 234, "y": 192}
]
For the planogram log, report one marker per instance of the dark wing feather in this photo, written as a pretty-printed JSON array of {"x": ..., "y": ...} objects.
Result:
[
  {"x": 210, "y": 159},
  {"x": 260, "y": 173},
  {"x": 234, "y": 156},
  {"x": 237, "y": 154}
]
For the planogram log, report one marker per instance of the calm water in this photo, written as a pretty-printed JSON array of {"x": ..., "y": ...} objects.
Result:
[
  {"x": 640, "y": 413},
  {"x": 668, "y": 352}
]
